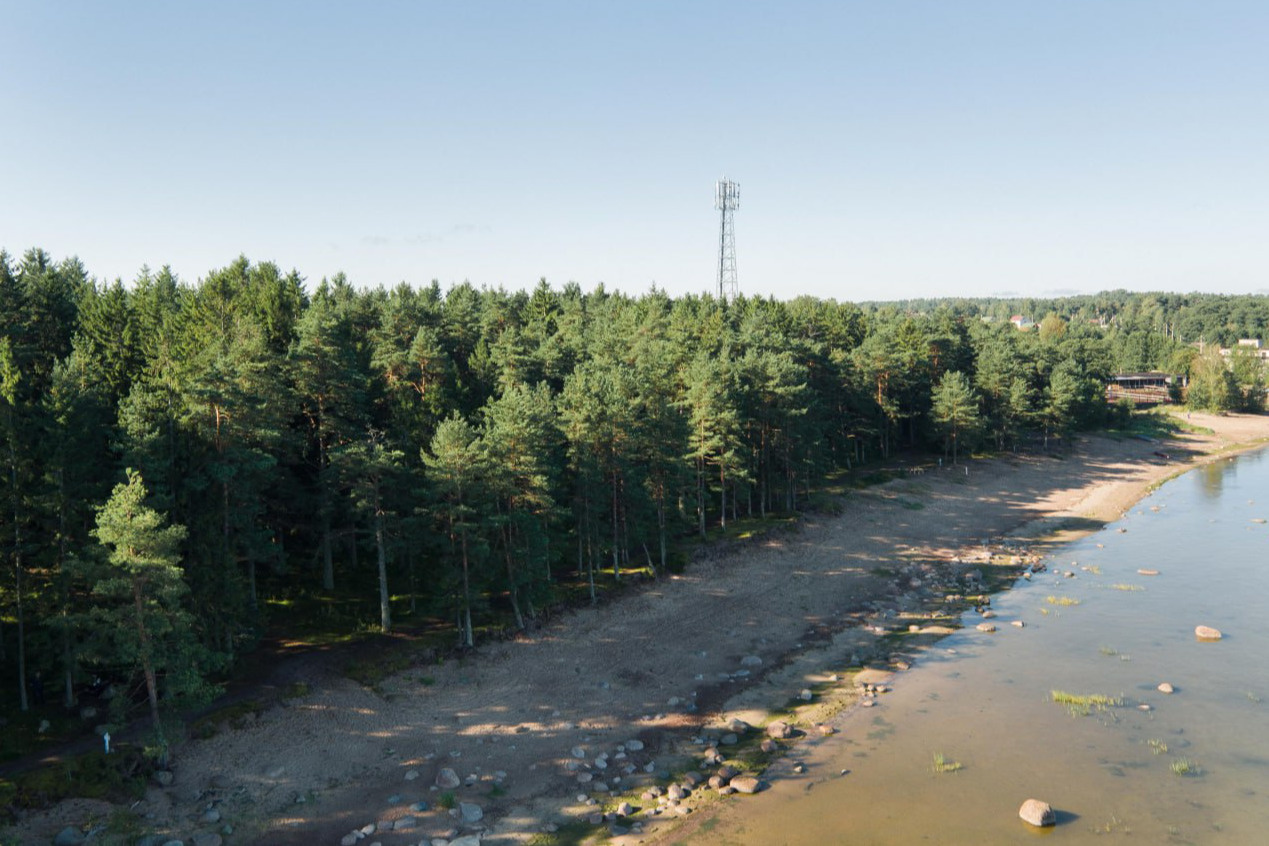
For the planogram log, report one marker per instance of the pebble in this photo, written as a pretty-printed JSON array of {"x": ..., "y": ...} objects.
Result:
[
  {"x": 1207, "y": 633},
  {"x": 1165, "y": 687}
]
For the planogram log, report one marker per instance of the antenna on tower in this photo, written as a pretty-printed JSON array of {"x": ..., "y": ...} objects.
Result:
[{"x": 727, "y": 200}]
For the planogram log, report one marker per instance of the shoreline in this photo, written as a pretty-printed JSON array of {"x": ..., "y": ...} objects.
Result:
[
  {"x": 664, "y": 666},
  {"x": 840, "y": 696}
]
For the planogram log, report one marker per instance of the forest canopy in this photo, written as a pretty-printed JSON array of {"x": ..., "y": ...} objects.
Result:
[{"x": 180, "y": 457}]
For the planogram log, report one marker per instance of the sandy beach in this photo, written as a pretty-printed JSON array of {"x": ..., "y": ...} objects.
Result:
[{"x": 657, "y": 666}]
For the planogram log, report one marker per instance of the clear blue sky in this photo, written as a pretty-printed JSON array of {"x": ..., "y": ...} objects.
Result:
[{"x": 884, "y": 149}]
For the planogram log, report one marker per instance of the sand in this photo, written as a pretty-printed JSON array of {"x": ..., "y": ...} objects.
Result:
[{"x": 647, "y": 666}]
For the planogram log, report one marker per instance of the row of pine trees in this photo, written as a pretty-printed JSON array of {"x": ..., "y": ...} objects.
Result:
[{"x": 178, "y": 457}]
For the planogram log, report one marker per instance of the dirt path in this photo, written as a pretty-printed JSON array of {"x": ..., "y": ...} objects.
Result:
[{"x": 650, "y": 667}]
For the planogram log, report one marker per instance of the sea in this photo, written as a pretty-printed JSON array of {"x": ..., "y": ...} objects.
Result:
[{"x": 1067, "y": 708}]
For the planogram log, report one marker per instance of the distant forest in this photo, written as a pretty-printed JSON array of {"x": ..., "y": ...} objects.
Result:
[{"x": 181, "y": 462}]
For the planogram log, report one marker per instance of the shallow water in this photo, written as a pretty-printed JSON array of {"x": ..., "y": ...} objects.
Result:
[{"x": 984, "y": 700}]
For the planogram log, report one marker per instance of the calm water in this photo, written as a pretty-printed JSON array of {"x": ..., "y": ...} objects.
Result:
[{"x": 984, "y": 700}]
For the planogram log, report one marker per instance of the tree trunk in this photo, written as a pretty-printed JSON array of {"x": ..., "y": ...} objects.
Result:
[
  {"x": 385, "y": 607},
  {"x": 468, "y": 640},
  {"x": 147, "y": 663},
  {"x": 616, "y": 532}
]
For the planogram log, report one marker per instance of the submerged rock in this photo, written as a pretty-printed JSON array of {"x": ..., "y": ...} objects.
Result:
[{"x": 1037, "y": 813}]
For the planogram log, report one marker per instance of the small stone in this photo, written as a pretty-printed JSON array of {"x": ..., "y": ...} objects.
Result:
[
  {"x": 806, "y": 695},
  {"x": 751, "y": 661},
  {"x": 1018, "y": 623},
  {"x": 1165, "y": 687},
  {"x": 470, "y": 812},
  {"x": 69, "y": 836},
  {"x": 211, "y": 817},
  {"x": 625, "y": 809},
  {"x": 985, "y": 627},
  {"x": 403, "y": 823},
  {"x": 634, "y": 745},
  {"x": 729, "y": 739},
  {"x": 163, "y": 778},
  {"x": 1037, "y": 813},
  {"x": 411, "y": 775},
  {"x": 577, "y": 752},
  {"x": 394, "y": 799},
  {"x": 350, "y": 839},
  {"x": 599, "y": 787},
  {"x": 1207, "y": 633},
  {"x": 447, "y": 779},
  {"x": 745, "y": 784}
]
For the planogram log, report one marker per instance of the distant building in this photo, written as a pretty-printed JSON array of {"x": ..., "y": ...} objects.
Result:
[
  {"x": 1254, "y": 345},
  {"x": 1151, "y": 388},
  {"x": 1021, "y": 322}
]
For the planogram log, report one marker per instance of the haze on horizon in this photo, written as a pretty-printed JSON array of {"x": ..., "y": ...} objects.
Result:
[{"x": 884, "y": 151}]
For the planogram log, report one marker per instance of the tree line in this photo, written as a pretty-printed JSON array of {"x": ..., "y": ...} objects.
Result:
[{"x": 178, "y": 458}]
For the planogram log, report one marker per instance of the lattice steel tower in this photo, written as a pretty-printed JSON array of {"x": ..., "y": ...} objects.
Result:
[{"x": 727, "y": 200}]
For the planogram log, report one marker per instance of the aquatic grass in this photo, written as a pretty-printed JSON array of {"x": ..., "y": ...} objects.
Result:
[
  {"x": 1127, "y": 587},
  {"x": 1061, "y": 600},
  {"x": 1078, "y": 705},
  {"x": 1108, "y": 651},
  {"x": 1094, "y": 569},
  {"x": 1184, "y": 767},
  {"x": 942, "y": 764},
  {"x": 1157, "y": 746}
]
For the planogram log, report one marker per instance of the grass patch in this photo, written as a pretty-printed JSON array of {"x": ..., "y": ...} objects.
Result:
[
  {"x": 572, "y": 833},
  {"x": 120, "y": 776},
  {"x": 235, "y": 716},
  {"x": 447, "y": 800},
  {"x": 1108, "y": 651},
  {"x": 1061, "y": 600},
  {"x": 943, "y": 764},
  {"x": 1082, "y": 705},
  {"x": 1184, "y": 767},
  {"x": 1157, "y": 746},
  {"x": 1127, "y": 587},
  {"x": 295, "y": 690}
]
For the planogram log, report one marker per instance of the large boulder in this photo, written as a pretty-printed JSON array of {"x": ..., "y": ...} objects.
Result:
[
  {"x": 1037, "y": 813},
  {"x": 745, "y": 784},
  {"x": 780, "y": 730}
]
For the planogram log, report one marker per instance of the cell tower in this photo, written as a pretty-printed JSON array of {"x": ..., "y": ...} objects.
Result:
[{"x": 727, "y": 200}]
